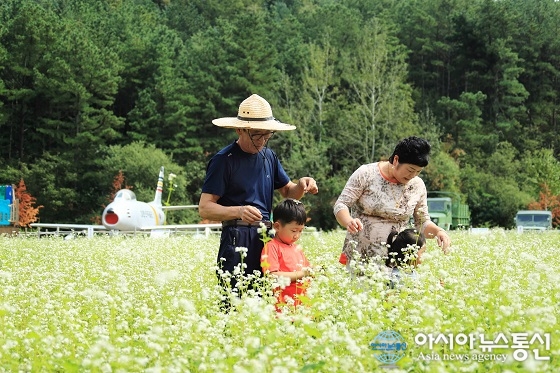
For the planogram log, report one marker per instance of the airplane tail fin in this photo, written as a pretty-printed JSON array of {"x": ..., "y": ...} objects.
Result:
[{"x": 159, "y": 189}]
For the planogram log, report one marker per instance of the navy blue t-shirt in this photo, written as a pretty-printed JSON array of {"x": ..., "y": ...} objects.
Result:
[{"x": 241, "y": 178}]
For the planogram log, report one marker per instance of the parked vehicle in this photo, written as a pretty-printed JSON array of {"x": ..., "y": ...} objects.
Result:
[
  {"x": 447, "y": 210},
  {"x": 9, "y": 209},
  {"x": 533, "y": 220}
]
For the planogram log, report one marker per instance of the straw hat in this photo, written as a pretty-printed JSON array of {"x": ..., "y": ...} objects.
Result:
[{"x": 254, "y": 113}]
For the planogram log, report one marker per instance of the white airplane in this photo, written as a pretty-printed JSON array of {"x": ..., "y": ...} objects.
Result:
[{"x": 126, "y": 213}]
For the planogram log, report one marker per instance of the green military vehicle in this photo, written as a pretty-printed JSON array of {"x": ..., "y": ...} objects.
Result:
[{"x": 447, "y": 210}]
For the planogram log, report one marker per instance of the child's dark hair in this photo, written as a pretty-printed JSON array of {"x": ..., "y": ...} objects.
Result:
[
  {"x": 398, "y": 246},
  {"x": 289, "y": 210}
]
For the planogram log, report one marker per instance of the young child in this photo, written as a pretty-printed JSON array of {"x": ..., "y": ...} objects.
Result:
[
  {"x": 283, "y": 258},
  {"x": 404, "y": 251}
]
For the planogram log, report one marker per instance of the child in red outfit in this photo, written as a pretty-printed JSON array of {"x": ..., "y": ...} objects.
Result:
[{"x": 283, "y": 258}]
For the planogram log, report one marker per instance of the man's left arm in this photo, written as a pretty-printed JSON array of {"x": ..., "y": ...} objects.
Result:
[{"x": 303, "y": 186}]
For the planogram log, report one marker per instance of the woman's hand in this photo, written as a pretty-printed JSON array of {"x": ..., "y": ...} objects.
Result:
[
  {"x": 354, "y": 226},
  {"x": 443, "y": 240}
]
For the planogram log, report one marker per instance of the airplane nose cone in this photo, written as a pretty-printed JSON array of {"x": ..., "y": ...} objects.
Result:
[{"x": 111, "y": 218}]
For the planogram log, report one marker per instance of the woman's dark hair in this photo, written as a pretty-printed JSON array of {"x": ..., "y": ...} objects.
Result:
[
  {"x": 290, "y": 210},
  {"x": 413, "y": 150},
  {"x": 398, "y": 246}
]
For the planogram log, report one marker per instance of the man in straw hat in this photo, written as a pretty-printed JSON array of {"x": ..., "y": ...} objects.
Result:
[{"x": 239, "y": 186}]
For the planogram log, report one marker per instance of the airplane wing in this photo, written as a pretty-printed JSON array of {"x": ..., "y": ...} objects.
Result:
[
  {"x": 164, "y": 230},
  {"x": 184, "y": 207},
  {"x": 178, "y": 227}
]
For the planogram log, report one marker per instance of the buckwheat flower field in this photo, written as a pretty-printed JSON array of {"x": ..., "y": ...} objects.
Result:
[{"x": 139, "y": 304}]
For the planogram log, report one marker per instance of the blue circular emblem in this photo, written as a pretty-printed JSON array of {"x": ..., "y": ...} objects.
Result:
[{"x": 388, "y": 347}]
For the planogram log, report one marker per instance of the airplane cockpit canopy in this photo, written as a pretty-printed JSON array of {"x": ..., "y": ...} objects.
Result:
[{"x": 125, "y": 195}]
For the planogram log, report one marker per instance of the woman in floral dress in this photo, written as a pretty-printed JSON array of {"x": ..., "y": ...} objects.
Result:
[{"x": 382, "y": 196}]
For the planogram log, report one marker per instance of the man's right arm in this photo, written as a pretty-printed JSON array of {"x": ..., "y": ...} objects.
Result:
[{"x": 210, "y": 209}]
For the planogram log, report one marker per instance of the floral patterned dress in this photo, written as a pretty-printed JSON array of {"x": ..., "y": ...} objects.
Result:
[{"x": 380, "y": 205}]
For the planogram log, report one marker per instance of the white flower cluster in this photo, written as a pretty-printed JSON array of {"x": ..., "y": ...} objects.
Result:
[{"x": 122, "y": 304}]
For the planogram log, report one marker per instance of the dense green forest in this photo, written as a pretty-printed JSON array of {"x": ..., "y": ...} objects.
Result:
[{"x": 92, "y": 87}]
